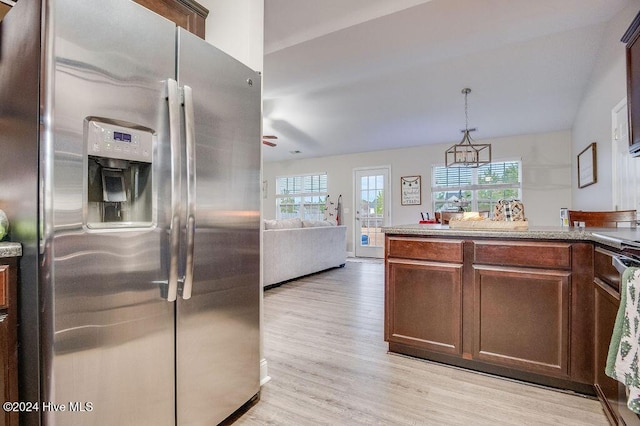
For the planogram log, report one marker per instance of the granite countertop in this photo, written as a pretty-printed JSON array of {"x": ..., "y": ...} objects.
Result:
[
  {"x": 614, "y": 237},
  {"x": 10, "y": 249}
]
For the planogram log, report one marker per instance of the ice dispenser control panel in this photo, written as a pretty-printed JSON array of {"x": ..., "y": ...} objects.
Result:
[
  {"x": 110, "y": 141},
  {"x": 119, "y": 189}
]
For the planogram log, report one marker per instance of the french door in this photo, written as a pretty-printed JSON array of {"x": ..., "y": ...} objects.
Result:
[
  {"x": 625, "y": 168},
  {"x": 372, "y": 203}
]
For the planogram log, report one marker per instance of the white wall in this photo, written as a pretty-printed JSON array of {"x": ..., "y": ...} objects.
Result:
[
  {"x": 606, "y": 88},
  {"x": 546, "y": 176},
  {"x": 237, "y": 27}
]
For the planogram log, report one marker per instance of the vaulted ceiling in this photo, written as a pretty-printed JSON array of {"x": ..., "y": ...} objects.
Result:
[{"x": 347, "y": 76}]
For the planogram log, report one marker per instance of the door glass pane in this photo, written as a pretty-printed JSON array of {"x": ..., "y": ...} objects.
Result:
[{"x": 371, "y": 211}]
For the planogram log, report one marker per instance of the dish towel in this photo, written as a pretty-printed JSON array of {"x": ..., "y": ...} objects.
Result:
[{"x": 622, "y": 359}]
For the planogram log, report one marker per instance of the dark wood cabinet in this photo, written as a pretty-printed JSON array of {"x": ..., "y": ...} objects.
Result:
[
  {"x": 533, "y": 306},
  {"x": 522, "y": 305},
  {"x": 424, "y": 293},
  {"x": 4, "y": 9},
  {"x": 521, "y": 318},
  {"x": 606, "y": 288},
  {"x": 425, "y": 305},
  {"x": 187, "y": 14},
  {"x": 8, "y": 337},
  {"x": 522, "y": 309},
  {"x": 631, "y": 37},
  {"x": 605, "y": 309}
]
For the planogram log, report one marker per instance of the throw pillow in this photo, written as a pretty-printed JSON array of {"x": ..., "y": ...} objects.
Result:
[
  {"x": 283, "y": 224},
  {"x": 315, "y": 223}
]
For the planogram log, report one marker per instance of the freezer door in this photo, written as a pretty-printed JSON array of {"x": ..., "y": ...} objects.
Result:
[
  {"x": 108, "y": 333},
  {"x": 218, "y": 327}
]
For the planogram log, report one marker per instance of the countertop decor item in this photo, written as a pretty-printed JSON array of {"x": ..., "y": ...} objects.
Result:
[
  {"x": 487, "y": 225},
  {"x": 4, "y": 224},
  {"x": 509, "y": 210},
  {"x": 474, "y": 220},
  {"x": 466, "y": 153}
]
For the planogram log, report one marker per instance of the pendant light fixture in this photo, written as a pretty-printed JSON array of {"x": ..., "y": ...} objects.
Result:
[{"x": 467, "y": 153}]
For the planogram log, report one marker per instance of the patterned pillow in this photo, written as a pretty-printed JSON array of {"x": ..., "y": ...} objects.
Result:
[{"x": 509, "y": 210}]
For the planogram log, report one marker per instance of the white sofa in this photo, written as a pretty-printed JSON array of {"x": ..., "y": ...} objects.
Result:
[{"x": 293, "y": 248}]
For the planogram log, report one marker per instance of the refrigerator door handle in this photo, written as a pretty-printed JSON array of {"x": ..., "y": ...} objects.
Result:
[
  {"x": 191, "y": 189},
  {"x": 174, "y": 229}
]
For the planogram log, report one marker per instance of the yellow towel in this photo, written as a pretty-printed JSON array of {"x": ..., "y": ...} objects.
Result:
[{"x": 622, "y": 360}]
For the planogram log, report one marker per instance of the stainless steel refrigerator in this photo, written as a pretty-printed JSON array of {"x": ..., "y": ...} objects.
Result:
[{"x": 129, "y": 169}]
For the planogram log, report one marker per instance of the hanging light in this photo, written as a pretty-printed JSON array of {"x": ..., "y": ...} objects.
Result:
[{"x": 466, "y": 153}]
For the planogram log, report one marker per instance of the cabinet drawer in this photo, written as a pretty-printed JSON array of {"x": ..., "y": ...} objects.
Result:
[
  {"x": 528, "y": 254},
  {"x": 439, "y": 250},
  {"x": 603, "y": 268}
]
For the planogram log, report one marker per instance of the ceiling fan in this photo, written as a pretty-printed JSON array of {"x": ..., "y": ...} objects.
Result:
[{"x": 268, "y": 142}]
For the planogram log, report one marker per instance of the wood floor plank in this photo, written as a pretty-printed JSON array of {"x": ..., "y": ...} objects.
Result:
[{"x": 329, "y": 364}]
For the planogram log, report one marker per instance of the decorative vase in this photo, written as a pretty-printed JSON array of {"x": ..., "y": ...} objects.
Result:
[{"x": 4, "y": 224}]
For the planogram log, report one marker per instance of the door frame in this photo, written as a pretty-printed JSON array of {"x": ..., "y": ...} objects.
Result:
[
  {"x": 387, "y": 202},
  {"x": 620, "y": 147}
]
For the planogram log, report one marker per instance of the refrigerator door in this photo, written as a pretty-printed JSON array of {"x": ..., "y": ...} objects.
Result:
[
  {"x": 218, "y": 327},
  {"x": 108, "y": 332}
]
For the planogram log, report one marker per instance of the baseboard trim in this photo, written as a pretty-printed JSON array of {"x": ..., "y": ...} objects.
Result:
[{"x": 264, "y": 372}]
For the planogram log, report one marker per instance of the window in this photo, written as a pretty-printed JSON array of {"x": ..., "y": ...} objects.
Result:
[
  {"x": 475, "y": 189},
  {"x": 301, "y": 196}
]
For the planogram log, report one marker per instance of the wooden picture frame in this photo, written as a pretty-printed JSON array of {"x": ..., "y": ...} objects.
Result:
[
  {"x": 411, "y": 190},
  {"x": 587, "y": 166}
]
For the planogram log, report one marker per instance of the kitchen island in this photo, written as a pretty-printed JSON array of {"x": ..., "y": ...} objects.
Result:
[{"x": 519, "y": 304}]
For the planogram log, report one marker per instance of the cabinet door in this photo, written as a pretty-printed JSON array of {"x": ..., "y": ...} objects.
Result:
[
  {"x": 187, "y": 14},
  {"x": 5, "y": 383},
  {"x": 606, "y": 308},
  {"x": 8, "y": 343},
  {"x": 521, "y": 318},
  {"x": 424, "y": 301},
  {"x": 4, "y": 343}
]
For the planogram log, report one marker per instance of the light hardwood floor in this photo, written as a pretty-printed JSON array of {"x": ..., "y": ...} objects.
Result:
[{"x": 329, "y": 364}]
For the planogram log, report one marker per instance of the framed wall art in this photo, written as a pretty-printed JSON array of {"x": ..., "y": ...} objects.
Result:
[
  {"x": 587, "y": 166},
  {"x": 411, "y": 191}
]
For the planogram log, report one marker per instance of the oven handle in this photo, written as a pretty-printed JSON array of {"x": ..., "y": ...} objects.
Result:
[{"x": 621, "y": 263}]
